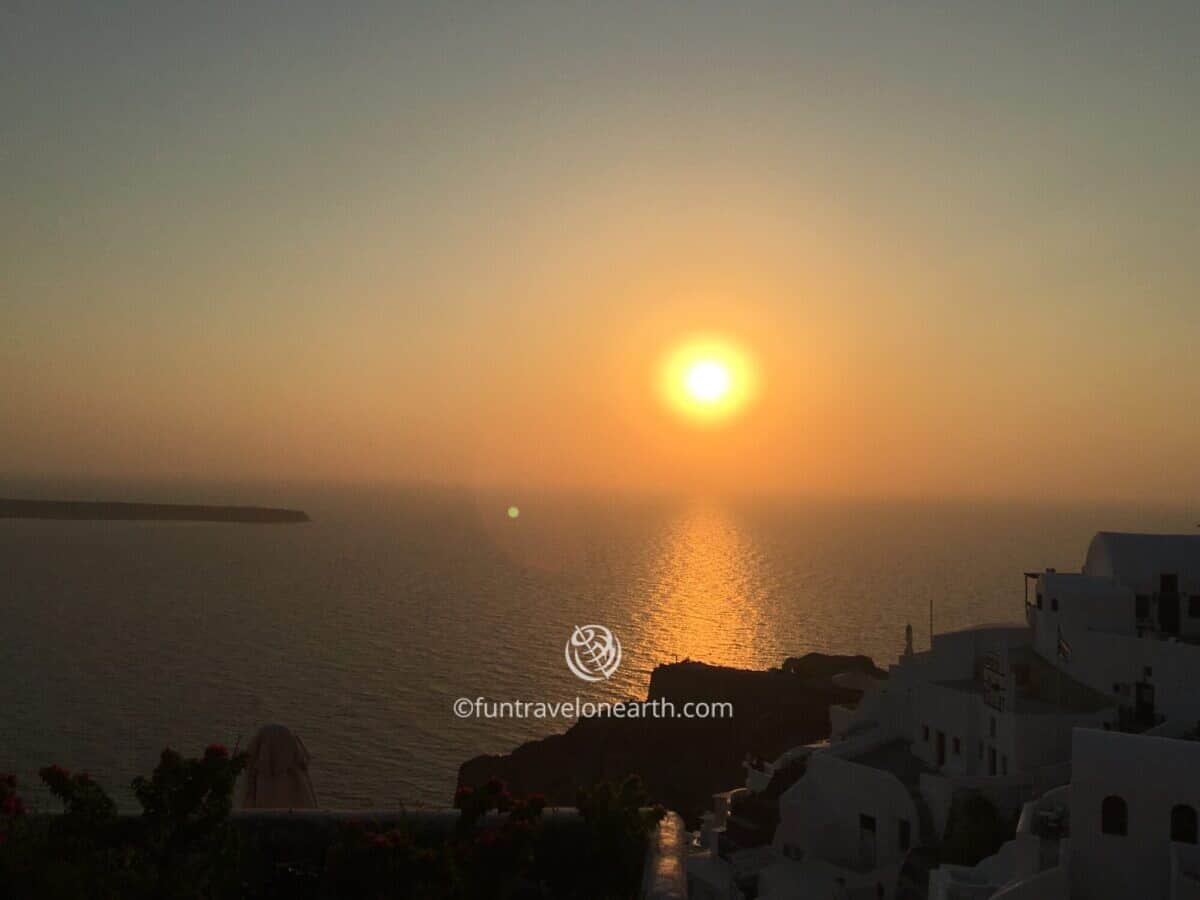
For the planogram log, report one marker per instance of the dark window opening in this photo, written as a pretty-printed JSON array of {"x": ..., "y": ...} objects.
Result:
[
  {"x": 1168, "y": 583},
  {"x": 1039, "y": 601},
  {"x": 1003, "y": 765},
  {"x": 1183, "y": 824},
  {"x": 866, "y": 839},
  {"x": 1054, "y": 603},
  {"x": 957, "y": 747},
  {"x": 925, "y": 732},
  {"x": 992, "y": 727},
  {"x": 904, "y": 837},
  {"x": 1193, "y": 606},
  {"x": 1142, "y": 606},
  {"x": 1114, "y": 816}
]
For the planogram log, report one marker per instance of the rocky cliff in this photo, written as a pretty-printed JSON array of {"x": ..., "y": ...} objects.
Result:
[{"x": 683, "y": 762}]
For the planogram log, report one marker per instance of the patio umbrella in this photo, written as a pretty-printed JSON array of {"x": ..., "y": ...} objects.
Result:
[{"x": 277, "y": 772}]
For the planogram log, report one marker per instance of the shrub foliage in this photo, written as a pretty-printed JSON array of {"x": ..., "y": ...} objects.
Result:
[{"x": 184, "y": 846}]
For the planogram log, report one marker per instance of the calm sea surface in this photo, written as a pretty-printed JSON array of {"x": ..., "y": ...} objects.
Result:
[{"x": 360, "y": 630}]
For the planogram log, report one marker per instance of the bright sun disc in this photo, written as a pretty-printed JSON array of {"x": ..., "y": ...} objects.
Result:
[{"x": 707, "y": 379}]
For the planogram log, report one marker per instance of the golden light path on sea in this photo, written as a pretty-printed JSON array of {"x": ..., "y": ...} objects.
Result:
[{"x": 705, "y": 605}]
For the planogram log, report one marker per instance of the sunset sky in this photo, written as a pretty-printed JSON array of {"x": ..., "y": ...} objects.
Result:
[{"x": 959, "y": 244}]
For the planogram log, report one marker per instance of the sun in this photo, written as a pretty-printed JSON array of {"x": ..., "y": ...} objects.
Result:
[{"x": 707, "y": 379}]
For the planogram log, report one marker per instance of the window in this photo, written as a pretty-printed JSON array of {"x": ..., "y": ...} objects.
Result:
[
  {"x": 866, "y": 839},
  {"x": 1168, "y": 583},
  {"x": 925, "y": 732},
  {"x": 1054, "y": 603},
  {"x": 1148, "y": 671},
  {"x": 1142, "y": 606},
  {"x": 1193, "y": 606},
  {"x": 992, "y": 727},
  {"x": 981, "y": 749},
  {"x": 1183, "y": 824},
  {"x": 1003, "y": 765},
  {"x": 957, "y": 747},
  {"x": 1039, "y": 600},
  {"x": 903, "y": 834},
  {"x": 1114, "y": 816}
]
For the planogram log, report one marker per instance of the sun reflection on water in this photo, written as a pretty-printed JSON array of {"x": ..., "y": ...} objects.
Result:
[{"x": 706, "y": 603}]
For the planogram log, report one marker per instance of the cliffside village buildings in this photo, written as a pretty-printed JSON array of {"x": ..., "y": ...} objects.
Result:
[{"x": 1080, "y": 725}]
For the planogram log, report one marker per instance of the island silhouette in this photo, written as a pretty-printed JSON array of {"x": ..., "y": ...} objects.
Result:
[{"x": 160, "y": 512}]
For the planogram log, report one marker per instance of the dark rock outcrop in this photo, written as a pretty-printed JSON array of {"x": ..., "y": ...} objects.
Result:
[
  {"x": 682, "y": 761},
  {"x": 822, "y": 665}
]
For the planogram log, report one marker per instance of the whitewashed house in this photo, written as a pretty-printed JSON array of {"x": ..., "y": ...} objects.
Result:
[
  {"x": 1035, "y": 716},
  {"x": 1125, "y": 827},
  {"x": 1127, "y": 624},
  {"x": 1131, "y": 621},
  {"x": 980, "y": 710}
]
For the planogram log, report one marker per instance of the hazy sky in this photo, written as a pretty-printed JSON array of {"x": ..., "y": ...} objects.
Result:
[{"x": 453, "y": 242}]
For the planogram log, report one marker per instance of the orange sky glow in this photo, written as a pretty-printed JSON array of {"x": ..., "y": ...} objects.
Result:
[{"x": 945, "y": 259}]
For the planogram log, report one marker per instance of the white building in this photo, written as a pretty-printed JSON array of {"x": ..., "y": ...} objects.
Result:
[
  {"x": 1127, "y": 625},
  {"x": 1125, "y": 827},
  {"x": 1131, "y": 619},
  {"x": 979, "y": 711},
  {"x": 1029, "y": 715}
]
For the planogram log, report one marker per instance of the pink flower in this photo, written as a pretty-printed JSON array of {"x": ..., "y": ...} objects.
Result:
[{"x": 216, "y": 751}]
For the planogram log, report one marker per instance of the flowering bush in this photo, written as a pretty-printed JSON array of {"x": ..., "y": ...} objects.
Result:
[
  {"x": 184, "y": 847},
  {"x": 501, "y": 849},
  {"x": 12, "y": 807},
  {"x": 180, "y": 847}
]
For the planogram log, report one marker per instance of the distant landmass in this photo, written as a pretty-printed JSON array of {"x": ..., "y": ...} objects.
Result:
[{"x": 154, "y": 512}]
